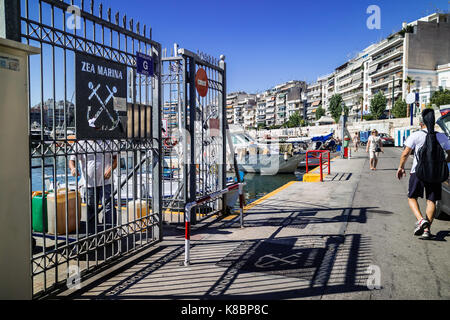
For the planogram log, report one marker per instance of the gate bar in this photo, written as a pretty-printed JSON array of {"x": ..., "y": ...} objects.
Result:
[{"x": 189, "y": 206}]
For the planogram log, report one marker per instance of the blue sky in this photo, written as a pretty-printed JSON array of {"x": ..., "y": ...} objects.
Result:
[{"x": 267, "y": 42}]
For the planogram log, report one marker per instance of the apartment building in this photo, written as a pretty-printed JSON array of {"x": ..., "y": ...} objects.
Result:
[
  {"x": 295, "y": 101},
  {"x": 249, "y": 109},
  {"x": 420, "y": 50},
  {"x": 261, "y": 106},
  {"x": 270, "y": 109},
  {"x": 314, "y": 98},
  {"x": 288, "y": 100},
  {"x": 234, "y": 107}
]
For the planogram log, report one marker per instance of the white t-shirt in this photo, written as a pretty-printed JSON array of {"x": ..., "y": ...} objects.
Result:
[
  {"x": 93, "y": 171},
  {"x": 417, "y": 140},
  {"x": 374, "y": 143}
]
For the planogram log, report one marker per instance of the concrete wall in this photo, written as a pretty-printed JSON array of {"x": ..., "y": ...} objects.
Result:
[
  {"x": 383, "y": 126},
  {"x": 429, "y": 46}
]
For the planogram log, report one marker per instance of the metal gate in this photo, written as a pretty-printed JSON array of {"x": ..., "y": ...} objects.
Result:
[
  {"x": 195, "y": 133},
  {"x": 83, "y": 219}
]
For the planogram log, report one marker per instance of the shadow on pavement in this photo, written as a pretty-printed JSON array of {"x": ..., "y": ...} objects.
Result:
[{"x": 311, "y": 265}]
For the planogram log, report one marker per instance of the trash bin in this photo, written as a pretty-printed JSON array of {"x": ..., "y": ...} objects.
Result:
[
  {"x": 72, "y": 207},
  {"x": 39, "y": 211},
  {"x": 139, "y": 207}
]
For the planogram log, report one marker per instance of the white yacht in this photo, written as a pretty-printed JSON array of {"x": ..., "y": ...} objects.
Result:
[{"x": 268, "y": 158}]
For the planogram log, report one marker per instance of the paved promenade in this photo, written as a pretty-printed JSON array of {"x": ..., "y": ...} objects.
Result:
[{"x": 305, "y": 241}]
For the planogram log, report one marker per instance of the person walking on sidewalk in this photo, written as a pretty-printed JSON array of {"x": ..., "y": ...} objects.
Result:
[
  {"x": 374, "y": 147},
  {"x": 417, "y": 186},
  {"x": 356, "y": 141}
]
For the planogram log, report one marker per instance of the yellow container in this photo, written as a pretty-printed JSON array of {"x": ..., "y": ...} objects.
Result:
[
  {"x": 140, "y": 206},
  {"x": 60, "y": 211}
]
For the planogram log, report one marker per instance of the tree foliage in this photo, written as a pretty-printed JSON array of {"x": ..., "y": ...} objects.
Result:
[
  {"x": 294, "y": 120},
  {"x": 320, "y": 112},
  {"x": 441, "y": 97},
  {"x": 336, "y": 106},
  {"x": 378, "y": 105},
  {"x": 399, "y": 109}
]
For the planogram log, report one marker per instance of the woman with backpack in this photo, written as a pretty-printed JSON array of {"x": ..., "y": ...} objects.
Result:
[
  {"x": 374, "y": 147},
  {"x": 429, "y": 170}
]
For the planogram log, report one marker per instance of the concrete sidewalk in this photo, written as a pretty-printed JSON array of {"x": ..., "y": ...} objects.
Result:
[{"x": 305, "y": 241}]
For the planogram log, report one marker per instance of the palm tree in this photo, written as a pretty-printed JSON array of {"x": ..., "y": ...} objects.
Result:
[
  {"x": 360, "y": 100},
  {"x": 409, "y": 81}
]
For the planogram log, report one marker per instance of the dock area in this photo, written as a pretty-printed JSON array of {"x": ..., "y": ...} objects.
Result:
[{"x": 322, "y": 240}]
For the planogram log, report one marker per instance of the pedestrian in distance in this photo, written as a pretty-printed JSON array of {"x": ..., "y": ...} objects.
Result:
[
  {"x": 428, "y": 171},
  {"x": 96, "y": 168},
  {"x": 356, "y": 141},
  {"x": 374, "y": 147}
]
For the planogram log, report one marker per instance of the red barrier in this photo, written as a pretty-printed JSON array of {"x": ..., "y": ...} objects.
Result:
[{"x": 318, "y": 154}]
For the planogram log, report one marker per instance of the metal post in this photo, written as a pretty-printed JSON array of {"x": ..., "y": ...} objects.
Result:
[
  {"x": 192, "y": 118},
  {"x": 343, "y": 134},
  {"x": 223, "y": 125},
  {"x": 329, "y": 162},
  {"x": 187, "y": 235},
  {"x": 10, "y": 27},
  {"x": 241, "y": 203},
  {"x": 321, "y": 168},
  {"x": 393, "y": 96},
  {"x": 411, "y": 113},
  {"x": 307, "y": 154},
  {"x": 157, "y": 145}
]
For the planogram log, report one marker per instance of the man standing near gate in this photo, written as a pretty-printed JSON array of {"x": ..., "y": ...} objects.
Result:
[
  {"x": 96, "y": 165},
  {"x": 418, "y": 183}
]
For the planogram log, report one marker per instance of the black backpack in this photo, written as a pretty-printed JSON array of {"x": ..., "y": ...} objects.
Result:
[{"x": 431, "y": 161}]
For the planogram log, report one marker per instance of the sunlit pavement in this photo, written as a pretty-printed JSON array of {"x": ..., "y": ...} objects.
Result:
[{"x": 350, "y": 237}]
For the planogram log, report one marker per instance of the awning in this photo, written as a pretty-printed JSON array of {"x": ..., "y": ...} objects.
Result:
[
  {"x": 316, "y": 103},
  {"x": 345, "y": 82},
  {"x": 372, "y": 69},
  {"x": 357, "y": 77},
  {"x": 357, "y": 65}
]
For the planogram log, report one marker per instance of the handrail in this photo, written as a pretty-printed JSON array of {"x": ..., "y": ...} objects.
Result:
[
  {"x": 189, "y": 206},
  {"x": 318, "y": 154}
]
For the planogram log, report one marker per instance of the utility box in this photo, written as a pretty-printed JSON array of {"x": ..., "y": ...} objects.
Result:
[{"x": 15, "y": 197}]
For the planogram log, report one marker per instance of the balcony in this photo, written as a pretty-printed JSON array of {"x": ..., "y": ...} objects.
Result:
[
  {"x": 386, "y": 70},
  {"x": 388, "y": 44},
  {"x": 388, "y": 56},
  {"x": 385, "y": 81}
]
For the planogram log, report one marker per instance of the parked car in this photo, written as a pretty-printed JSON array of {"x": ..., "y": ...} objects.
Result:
[
  {"x": 387, "y": 140},
  {"x": 443, "y": 206}
]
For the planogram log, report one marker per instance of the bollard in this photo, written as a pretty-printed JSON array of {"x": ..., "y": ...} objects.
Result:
[{"x": 241, "y": 203}]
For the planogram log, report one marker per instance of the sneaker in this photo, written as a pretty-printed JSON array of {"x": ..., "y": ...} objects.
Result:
[
  {"x": 421, "y": 226},
  {"x": 426, "y": 235}
]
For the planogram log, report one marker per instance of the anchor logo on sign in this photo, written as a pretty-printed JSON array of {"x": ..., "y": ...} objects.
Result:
[{"x": 91, "y": 120}]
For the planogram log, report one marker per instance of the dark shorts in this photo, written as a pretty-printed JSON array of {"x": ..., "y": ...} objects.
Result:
[{"x": 433, "y": 191}]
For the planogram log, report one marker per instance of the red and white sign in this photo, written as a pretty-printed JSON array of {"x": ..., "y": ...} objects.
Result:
[{"x": 201, "y": 82}]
